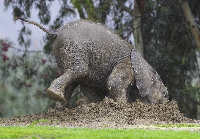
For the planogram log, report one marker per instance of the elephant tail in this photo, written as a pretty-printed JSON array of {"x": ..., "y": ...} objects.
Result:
[
  {"x": 38, "y": 25},
  {"x": 147, "y": 79}
]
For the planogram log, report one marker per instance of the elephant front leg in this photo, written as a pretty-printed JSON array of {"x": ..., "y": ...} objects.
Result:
[
  {"x": 56, "y": 91},
  {"x": 119, "y": 80}
]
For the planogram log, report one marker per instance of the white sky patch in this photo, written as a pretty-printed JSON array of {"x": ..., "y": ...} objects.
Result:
[{"x": 9, "y": 29}]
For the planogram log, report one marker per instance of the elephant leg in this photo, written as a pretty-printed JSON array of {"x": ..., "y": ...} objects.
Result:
[
  {"x": 119, "y": 80},
  {"x": 56, "y": 90}
]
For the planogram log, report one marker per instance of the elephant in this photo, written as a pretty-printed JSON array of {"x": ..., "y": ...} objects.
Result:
[{"x": 91, "y": 55}]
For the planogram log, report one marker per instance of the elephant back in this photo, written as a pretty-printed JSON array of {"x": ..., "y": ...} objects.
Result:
[{"x": 89, "y": 46}]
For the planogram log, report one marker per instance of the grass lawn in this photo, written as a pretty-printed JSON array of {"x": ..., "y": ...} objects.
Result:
[{"x": 85, "y": 133}]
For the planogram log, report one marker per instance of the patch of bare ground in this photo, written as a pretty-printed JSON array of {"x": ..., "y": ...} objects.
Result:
[{"x": 109, "y": 114}]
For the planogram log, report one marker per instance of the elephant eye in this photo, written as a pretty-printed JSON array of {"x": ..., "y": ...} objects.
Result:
[{"x": 165, "y": 94}]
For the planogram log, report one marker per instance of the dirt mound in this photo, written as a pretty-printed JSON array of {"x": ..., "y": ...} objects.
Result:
[{"x": 105, "y": 114}]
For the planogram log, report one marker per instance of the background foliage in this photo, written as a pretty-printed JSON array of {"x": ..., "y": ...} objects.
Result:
[
  {"x": 24, "y": 78},
  {"x": 168, "y": 47}
]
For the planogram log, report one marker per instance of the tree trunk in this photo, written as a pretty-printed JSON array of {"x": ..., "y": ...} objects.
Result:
[
  {"x": 196, "y": 35},
  {"x": 137, "y": 33},
  {"x": 190, "y": 19}
]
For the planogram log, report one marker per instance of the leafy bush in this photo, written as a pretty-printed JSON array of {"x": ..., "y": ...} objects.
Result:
[{"x": 24, "y": 78}]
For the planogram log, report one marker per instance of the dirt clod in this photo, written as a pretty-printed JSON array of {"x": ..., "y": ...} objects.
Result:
[{"x": 106, "y": 113}]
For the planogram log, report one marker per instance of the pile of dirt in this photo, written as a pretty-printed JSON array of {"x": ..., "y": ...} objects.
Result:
[{"x": 105, "y": 114}]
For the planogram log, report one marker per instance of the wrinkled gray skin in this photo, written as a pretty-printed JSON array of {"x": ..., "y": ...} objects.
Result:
[{"x": 92, "y": 56}]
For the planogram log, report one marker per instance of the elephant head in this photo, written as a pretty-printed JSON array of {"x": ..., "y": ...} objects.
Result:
[{"x": 147, "y": 80}]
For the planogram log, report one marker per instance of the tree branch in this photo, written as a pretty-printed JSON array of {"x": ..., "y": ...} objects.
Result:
[
  {"x": 193, "y": 27},
  {"x": 128, "y": 10}
]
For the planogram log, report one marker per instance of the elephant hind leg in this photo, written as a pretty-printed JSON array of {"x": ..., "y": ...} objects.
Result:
[
  {"x": 56, "y": 91},
  {"x": 119, "y": 80}
]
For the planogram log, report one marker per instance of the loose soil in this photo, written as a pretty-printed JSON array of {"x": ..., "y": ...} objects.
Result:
[{"x": 106, "y": 114}]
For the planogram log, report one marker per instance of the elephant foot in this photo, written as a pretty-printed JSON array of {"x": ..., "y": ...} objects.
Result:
[{"x": 55, "y": 95}]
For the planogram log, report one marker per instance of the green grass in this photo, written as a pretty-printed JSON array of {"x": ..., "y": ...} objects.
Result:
[
  {"x": 178, "y": 125},
  {"x": 39, "y": 121},
  {"x": 85, "y": 133}
]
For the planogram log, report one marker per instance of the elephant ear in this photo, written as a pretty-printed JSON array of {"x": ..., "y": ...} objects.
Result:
[{"x": 147, "y": 79}]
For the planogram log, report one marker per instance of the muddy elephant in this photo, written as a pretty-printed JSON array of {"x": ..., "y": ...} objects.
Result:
[{"x": 97, "y": 59}]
